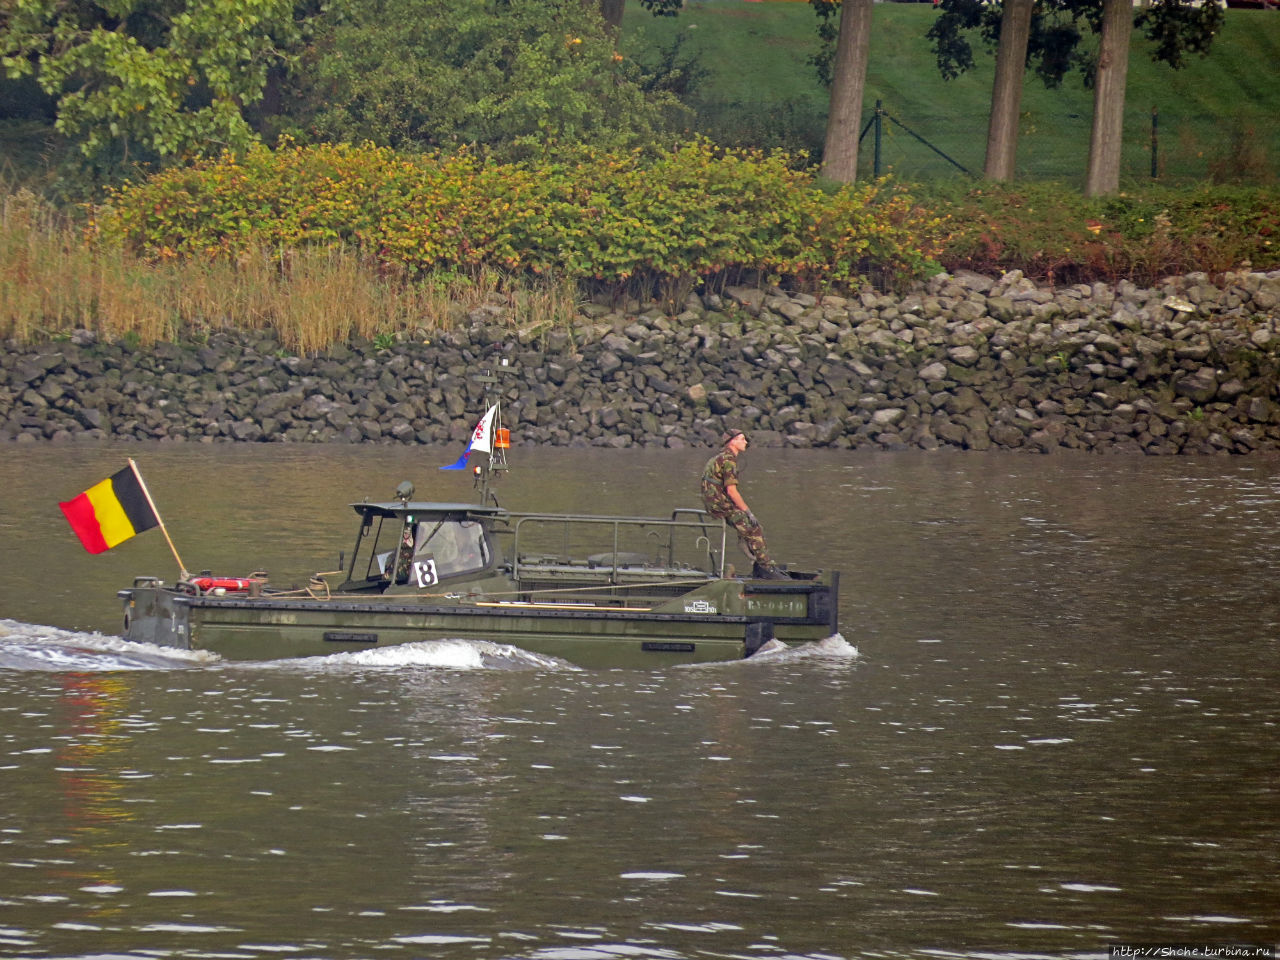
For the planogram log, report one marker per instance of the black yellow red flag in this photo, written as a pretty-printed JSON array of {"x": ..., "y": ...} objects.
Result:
[{"x": 110, "y": 512}]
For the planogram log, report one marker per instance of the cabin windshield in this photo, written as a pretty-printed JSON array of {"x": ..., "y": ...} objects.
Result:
[
  {"x": 420, "y": 552},
  {"x": 447, "y": 548}
]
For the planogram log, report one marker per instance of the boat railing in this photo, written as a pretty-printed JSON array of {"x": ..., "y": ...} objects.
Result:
[{"x": 618, "y": 557}]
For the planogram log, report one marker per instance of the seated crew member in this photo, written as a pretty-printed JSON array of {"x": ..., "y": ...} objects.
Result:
[
  {"x": 404, "y": 555},
  {"x": 722, "y": 499}
]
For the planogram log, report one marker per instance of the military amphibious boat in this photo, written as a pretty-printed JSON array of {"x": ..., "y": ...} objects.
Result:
[{"x": 597, "y": 591}]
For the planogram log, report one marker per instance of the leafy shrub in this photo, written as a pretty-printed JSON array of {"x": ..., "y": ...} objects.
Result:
[{"x": 608, "y": 217}]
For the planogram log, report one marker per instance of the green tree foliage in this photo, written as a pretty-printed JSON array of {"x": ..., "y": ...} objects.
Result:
[
  {"x": 662, "y": 8},
  {"x": 152, "y": 78},
  {"x": 828, "y": 13},
  {"x": 1056, "y": 45},
  {"x": 507, "y": 76}
]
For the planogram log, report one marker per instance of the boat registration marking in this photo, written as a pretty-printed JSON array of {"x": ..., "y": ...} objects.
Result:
[{"x": 779, "y": 606}]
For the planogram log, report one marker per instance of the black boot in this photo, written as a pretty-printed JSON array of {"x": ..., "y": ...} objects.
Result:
[{"x": 769, "y": 572}]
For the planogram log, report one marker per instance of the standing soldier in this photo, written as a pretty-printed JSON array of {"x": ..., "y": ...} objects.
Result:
[{"x": 721, "y": 497}]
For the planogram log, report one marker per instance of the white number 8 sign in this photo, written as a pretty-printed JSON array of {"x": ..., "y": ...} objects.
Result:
[{"x": 424, "y": 571}]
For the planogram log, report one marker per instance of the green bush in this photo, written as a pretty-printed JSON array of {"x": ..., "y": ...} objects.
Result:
[{"x": 613, "y": 218}]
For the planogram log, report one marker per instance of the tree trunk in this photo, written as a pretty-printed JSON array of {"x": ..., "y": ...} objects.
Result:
[
  {"x": 1006, "y": 92},
  {"x": 1108, "y": 99},
  {"x": 848, "y": 78},
  {"x": 611, "y": 11}
]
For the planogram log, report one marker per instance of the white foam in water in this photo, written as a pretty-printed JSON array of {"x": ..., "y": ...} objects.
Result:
[
  {"x": 28, "y": 646},
  {"x": 835, "y": 647},
  {"x": 25, "y": 646},
  {"x": 445, "y": 654}
]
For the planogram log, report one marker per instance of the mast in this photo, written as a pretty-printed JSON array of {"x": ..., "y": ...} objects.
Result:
[{"x": 499, "y": 438}]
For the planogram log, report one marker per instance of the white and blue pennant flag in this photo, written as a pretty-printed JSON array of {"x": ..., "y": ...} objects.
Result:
[{"x": 481, "y": 440}]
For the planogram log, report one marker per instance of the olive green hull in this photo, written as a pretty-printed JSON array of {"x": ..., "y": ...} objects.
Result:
[{"x": 730, "y": 619}]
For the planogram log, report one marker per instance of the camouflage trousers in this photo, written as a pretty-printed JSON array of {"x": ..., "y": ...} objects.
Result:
[{"x": 750, "y": 536}]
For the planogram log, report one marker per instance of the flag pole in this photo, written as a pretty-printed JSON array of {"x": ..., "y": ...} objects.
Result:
[{"x": 182, "y": 567}]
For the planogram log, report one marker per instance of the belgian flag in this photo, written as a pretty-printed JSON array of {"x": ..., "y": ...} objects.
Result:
[{"x": 110, "y": 512}]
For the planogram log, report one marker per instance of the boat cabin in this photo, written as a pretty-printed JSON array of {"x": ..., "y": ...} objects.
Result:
[
  {"x": 409, "y": 548},
  {"x": 419, "y": 545}
]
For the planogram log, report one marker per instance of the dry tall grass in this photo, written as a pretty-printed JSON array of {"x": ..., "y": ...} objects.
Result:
[{"x": 54, "y": 281}]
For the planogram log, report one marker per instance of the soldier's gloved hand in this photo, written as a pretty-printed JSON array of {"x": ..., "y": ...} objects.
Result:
[{"x": 751, "y": 519}]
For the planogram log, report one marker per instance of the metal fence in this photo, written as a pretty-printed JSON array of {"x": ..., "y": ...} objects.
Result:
[{"x": 1170, "y": 147}]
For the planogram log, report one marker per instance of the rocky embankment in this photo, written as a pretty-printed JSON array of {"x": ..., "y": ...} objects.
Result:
[{"x": 963, "y": 361}]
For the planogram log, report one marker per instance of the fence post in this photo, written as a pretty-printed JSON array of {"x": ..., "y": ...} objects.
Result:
[
  {"x": 1155, "y": 143},
  {"x": 879, "y": 128}
]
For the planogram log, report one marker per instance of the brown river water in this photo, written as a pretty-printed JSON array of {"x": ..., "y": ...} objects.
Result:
[{"x": 1049, "y": 725}]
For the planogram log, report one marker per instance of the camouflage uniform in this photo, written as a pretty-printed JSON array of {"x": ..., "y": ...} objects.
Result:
[
  {"x": 404, "y": 556},
  {"x": 721, "y": 473}
]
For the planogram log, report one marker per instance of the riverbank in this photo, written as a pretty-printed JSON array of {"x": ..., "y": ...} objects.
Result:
[{"x": 963, "y": 361}]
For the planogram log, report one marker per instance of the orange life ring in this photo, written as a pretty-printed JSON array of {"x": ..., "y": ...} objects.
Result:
[{"x": 230, "y": 584}]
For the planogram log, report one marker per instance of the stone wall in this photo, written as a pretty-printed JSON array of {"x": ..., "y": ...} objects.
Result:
[{"x": 962, "y": 361}]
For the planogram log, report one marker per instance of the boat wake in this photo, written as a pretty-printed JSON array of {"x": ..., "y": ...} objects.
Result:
[
  {"x": 27, "y": 646},
  {"x": 440, "y": 654},
  {"x": 483, "y": 655},
  {"x": 834, "y": 649},
  {"x": 32, "y": 647}
]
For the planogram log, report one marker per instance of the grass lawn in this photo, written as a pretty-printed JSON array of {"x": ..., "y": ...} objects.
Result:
[{"x": 1218, "y": 117}]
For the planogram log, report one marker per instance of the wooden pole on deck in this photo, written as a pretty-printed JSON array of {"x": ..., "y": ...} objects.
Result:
[{"x": 182, "y": 568}]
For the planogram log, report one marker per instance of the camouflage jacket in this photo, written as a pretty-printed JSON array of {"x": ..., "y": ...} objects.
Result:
[{"x": 720, "y": 473}]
